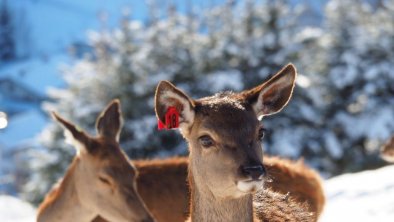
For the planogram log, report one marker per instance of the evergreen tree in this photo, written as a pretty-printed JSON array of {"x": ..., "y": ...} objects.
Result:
[
  {"x": 356, "y": 107},
  {"x": 7, "y": 41},
  {"x": 231, "y": 47}
]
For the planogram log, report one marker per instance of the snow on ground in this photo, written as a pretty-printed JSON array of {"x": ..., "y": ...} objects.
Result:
[
  {"x": 15, "y": 210},
  {"x": 364, "y": 197}
]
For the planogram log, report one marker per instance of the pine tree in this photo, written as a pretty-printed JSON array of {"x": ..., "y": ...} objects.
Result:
[
  {"x": 356, "y": 58},
  {"x": 7, "y": 41},
  {"x": 231, "y": 47}
]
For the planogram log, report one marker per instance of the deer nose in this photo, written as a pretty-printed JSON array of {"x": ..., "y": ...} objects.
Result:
[{"x": 255, "y": 171}]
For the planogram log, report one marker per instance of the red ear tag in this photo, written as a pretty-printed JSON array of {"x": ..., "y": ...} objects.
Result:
[
  {"x": 160, "y": 125},
  {"x": 171, "y": 119}
]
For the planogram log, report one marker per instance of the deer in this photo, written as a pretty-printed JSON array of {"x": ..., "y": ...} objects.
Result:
[
  {"x": 224, "y": 132},
  {"x": 387, "y": 150},
  {"x": 162, "y": 185},
  {"x": 100, "y": 178}
]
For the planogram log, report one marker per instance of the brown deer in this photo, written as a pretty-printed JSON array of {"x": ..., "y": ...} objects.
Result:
[
  {"x": 387, "y": 150},
  {"x": 162, "y": 185},
  {"x": 100, "y": 179},
  {"x": 225, "y": 156},
  {"x": 164, "y": 181}
]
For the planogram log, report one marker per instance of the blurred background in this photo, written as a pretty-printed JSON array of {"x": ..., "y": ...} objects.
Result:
[{"x": 75, "y": 56}]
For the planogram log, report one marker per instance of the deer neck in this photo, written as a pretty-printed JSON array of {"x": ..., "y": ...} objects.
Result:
[
  {"x": 206, "y": 207},
  {"x": 63, "y": 203}
]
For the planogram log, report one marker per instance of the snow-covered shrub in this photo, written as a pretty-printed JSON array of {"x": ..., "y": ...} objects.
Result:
[
  {"x": 356, "y": 62},
  {"x": 231, "y": 47}
]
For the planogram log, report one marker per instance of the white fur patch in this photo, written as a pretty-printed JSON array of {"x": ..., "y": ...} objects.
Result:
[
  {"x": 69, "y": 139},
  {"x": 250, "y": 185},
  {"x": 187, "y": 115},
  {"x": 121, "y": 122}
]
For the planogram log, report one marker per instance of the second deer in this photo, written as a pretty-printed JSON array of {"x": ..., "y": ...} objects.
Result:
[{"x": 100, "y": 179}]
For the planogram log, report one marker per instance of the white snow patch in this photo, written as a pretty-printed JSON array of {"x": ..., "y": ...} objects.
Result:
[
  {"x": 14, "y": 210},
  {"x": 141, "y": 127},
  {"x": 309, "y": 33},
  {"x": 363, "y": 197},
  {"x": 285, "y": 142},
  {"x": 303, "y": 81},
  {"x": 374, "y": 125},
  {"x": 333, "y": 145},
  {"x": 222, "y": 80}
]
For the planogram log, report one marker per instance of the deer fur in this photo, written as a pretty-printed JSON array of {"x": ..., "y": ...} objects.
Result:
[
  {"x": 100, "y": 178},
  {"x": 387, "y": 150},
  {"x": 225, "y": 158},
  {"x": 291, "y": 179}
]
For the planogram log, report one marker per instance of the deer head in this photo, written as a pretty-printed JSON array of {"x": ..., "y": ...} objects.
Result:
[
  {"x": 104, "y": 177},
  {"x": 224, "y": 132}
]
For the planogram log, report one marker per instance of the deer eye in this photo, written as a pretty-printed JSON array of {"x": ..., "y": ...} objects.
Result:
[
  {"x": 206, "y": 141},
  {"x": 104, "y": 180},
  {"x": 261, "y": 133}
]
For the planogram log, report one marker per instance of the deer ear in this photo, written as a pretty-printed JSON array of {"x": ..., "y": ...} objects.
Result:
[
  {"x": 271, "y": 96},
  {"x": 167, "y": 95},
  {"x": 110, "y": 121},
  {"x": 74, "y": 135}
]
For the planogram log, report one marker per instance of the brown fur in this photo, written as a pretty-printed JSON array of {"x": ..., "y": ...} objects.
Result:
[
  {"x": 387, "y": 150},
  {"x": 57, "y": 189},
  {"x": 225, "y": 158},
  {"x": 296, "y": 179},
  {"x": 99, "y": 173},
  {"x": 229, "y": 121},
  {"x": 162, "y": 185},
  {"x": 275, "y": 207}
]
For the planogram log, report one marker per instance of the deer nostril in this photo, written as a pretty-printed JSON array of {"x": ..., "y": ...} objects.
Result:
[{"x": 256, "y": 171}]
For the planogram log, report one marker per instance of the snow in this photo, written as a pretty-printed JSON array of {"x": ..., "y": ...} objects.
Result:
[
  {"x": 286, "y": 146},
  {"x": 363, "y": 197},
  {"x": 333, "y": 145},
  {"x": 14, "y": 210},
  {"x": 376, "y": 124},
  {"x": 224, "y": 80},
  {"x": 54, "y": 25},
  {"x": 309, "y": 33},
  {"x": 366, "y": 196}
]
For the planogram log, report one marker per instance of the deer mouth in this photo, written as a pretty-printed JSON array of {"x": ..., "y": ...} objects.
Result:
[{"x": 250, "y": 186}]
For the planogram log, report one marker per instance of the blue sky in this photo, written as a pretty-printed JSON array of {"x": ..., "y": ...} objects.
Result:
[{"x": 51, "y": 25}]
